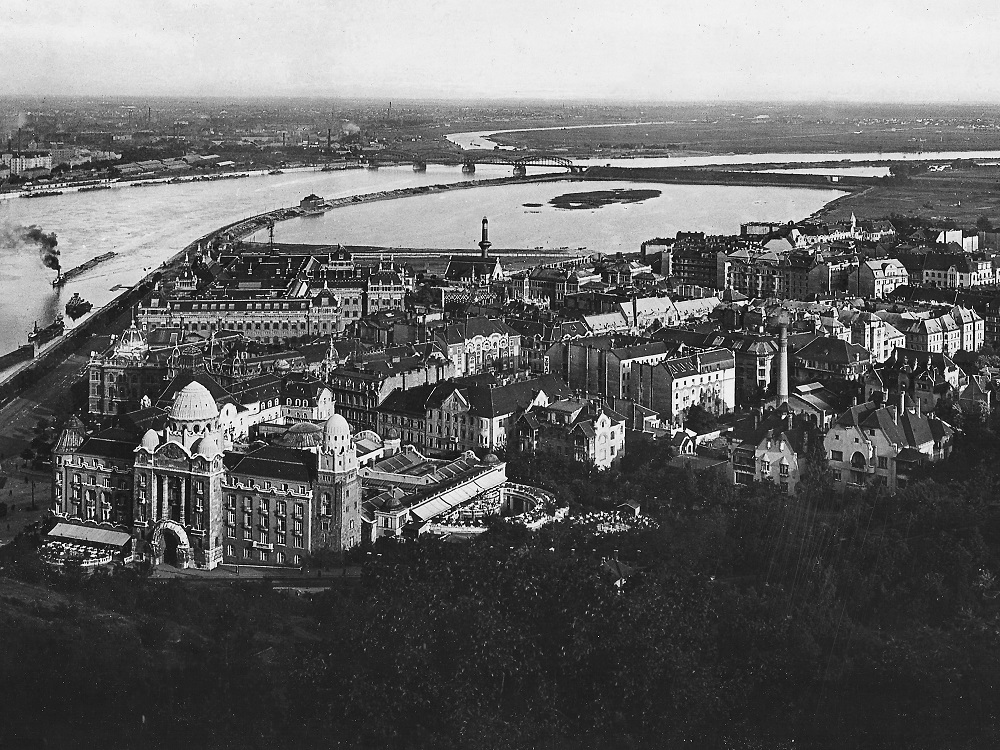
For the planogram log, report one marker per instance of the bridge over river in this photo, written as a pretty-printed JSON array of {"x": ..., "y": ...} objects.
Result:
[{"x": 518, "y": 162}]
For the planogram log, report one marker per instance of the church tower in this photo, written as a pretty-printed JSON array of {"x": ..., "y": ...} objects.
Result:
[{"x": 336, "y": 506}]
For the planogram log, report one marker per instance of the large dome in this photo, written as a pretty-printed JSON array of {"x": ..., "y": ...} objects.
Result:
[
  {"x": 194, "y": 403},
  {"x": 337, "y": 432}
]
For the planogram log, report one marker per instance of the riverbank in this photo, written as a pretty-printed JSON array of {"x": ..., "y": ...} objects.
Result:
[
  {"x": 962, "y": 196},
  {"x": 62, "y": 188}
]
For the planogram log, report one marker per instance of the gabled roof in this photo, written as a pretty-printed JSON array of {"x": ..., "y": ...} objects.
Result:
[
  {"x": 909, "y": 429},
  {"x": 834, "y": 351},
  {"x": 457, "y": 333},
  {"x": 461, "y": 267}
]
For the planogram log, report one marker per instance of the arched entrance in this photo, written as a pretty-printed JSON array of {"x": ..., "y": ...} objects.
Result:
[{"x": 171, "y": 545}]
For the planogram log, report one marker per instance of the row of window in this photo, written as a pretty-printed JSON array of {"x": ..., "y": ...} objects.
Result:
[
  {"x": 250, "y": 306},
  {"x": 280, "y": 506},
  {"x": 264, "y": 537},
  {"x": 122, "y": 483},
  {"x": 263, "y": 555},
  {"x": 882, "y": 461}
]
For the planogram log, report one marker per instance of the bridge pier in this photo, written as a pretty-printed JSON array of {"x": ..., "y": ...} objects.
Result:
[
  {"x": 520, "y": 170},
  {"x": 469, "y": 167}
]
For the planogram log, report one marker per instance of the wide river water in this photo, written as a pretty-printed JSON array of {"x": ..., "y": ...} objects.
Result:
[
  {"x": 521, "y": 217},
  {"x": 147, "y": 225}
]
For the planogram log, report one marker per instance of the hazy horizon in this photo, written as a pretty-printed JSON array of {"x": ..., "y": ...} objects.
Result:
[{"x": 644, "y": 53}]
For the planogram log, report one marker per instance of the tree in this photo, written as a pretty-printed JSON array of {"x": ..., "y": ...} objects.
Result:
[{"x": 984, "y": 224}]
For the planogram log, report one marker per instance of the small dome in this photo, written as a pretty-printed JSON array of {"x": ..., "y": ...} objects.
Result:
[
  {"x": 491, "y": 458},
  {"x": 392, "y": 434},
  {"x": 394, "y": 501},
  {"x": 194, "y": 403},
  {"x": 150, "y": 441},
  {"x": 337, "y": 431},
  {"x": 132, "y": 339},
  {"x": 206, "y": 446}
]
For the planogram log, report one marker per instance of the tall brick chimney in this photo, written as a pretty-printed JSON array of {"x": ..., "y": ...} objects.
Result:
[
  {"x": 782, "y": 363},
  {"x": 484, "y": 244}
]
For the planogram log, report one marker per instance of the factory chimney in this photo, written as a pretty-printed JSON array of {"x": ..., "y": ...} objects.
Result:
[
  {"x": 782, "y": 363},
  {"x": 484, "y": 244}
]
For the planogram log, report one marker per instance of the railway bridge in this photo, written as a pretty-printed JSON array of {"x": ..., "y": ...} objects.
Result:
[{"x": 519, "y": 163}]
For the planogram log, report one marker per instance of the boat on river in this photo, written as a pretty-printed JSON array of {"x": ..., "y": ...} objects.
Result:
[
  {"x": 78, "y": 306},
  {"x": 62, "y": 278},
  {"x": 40, "y": 335}
]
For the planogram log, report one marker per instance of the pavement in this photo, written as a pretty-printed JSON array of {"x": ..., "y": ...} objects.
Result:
[{"x": 49, "y": 399}]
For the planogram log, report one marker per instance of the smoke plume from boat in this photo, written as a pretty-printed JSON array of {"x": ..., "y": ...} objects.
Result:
[{"x": 34, "y": 238}]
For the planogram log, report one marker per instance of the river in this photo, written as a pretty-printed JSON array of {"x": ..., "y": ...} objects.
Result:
[
  {"x": 479, "y": 140},
  {"x": 147, "y": 225},
  {"x": 452, "y": 219}
]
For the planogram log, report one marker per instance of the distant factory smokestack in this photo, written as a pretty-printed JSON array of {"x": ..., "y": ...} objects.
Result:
[
  {"x": 484, "y": 243},
  {"x": 782, "y": 363}
]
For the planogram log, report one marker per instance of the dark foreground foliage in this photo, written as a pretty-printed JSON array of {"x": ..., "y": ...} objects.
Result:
[{"x": 751, "y": 620}]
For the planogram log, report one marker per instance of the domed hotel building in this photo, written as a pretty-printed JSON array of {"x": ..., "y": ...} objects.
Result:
[{"x": 188, "y": 502}]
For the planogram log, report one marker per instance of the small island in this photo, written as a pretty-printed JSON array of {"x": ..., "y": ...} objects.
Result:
[{"x": 600, "y": 198}]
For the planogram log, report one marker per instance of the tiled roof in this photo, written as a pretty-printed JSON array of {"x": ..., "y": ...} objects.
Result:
[
  {"x": 461, "y": 332},
  {"x": 834, "y": 351}
]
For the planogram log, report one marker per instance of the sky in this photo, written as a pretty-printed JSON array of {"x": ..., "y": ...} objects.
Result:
[{"x": 645, "y": 50}]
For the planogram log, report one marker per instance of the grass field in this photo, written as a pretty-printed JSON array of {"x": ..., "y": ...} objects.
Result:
[
  {"x": 961, "y": 195},
  {"x": 742, "y": 136}
]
